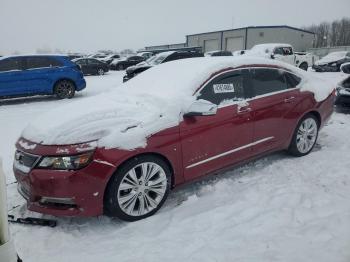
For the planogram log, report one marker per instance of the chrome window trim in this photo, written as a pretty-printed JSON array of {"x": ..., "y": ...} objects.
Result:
[{"x": 252, "y": 98}]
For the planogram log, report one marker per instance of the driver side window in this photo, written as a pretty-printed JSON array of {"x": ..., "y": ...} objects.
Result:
[{"x": 224, "y": 88}]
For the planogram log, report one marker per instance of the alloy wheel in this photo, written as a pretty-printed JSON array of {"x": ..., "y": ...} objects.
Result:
[
  {"x": 142, "y": 189},
  {"x": 306, "y": 135}
]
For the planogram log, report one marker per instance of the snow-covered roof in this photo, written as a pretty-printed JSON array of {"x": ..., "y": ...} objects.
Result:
[
  {"x": 144, "y": 105},
  {"x": 25, "y": 55},
  {"x": 265, "y": 50}
]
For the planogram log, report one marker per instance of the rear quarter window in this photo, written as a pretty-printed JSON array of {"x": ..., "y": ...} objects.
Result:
[
  {"x": 42, "y": 62},
  {"x": 292, "y": 80}
]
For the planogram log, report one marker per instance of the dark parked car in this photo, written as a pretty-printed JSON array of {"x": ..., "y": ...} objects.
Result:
[
  {"x": 40, "y": 75},
  {"x": 91, "y": 66},
  {"x": 332, "y": 62},
  {"x": 219, "y": 53},
  {"x": 159, "y": 59},
  {"x": 124, "y": 63},
  {"x": 343, "y": 93}
]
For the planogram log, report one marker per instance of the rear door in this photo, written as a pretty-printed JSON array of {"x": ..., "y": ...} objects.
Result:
[
  {"x": 273, "y": 100},
  {"x": 39, "y": 73},
  {"x": 12, "y": 80},
  {"x": 213, "y": 142}
]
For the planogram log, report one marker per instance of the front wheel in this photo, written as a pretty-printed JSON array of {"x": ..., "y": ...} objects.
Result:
[
  {"x": 305, "y": 136},
  {"x": 138, "y": 189},
  {"x": 304, "y": 66},
  {"x": 64, "y": 89}
]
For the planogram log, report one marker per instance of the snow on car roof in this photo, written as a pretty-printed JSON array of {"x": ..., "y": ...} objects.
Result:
[
  {"x": 152, "y": 101},
  {"x": 265, "y": 49}
]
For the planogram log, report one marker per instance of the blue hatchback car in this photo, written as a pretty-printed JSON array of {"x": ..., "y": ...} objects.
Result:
[{"x": 40, "y": 75}]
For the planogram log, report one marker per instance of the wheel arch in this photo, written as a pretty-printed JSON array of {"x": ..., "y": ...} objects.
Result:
[{"x": 155, "y": 154}]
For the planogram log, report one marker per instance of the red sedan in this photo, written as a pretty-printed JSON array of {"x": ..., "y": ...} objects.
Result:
[{"x": 232, "y": 110}]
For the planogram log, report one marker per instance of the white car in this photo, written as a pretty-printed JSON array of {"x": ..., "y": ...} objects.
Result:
[
  {"x": 284, "y": 53},
  {"x": 7, "y": 249}
]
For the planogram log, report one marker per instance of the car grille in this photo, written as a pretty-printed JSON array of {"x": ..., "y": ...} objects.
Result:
[{"x": 24, "y": 162}]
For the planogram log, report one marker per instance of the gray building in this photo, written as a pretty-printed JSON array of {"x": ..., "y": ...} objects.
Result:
[{"x": 247, "y": 37}]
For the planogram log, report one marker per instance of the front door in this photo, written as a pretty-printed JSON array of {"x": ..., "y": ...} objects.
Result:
[{"x": 213, "y": 142}]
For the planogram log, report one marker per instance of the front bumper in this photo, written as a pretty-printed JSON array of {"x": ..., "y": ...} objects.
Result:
[{"x": 65, "y": 192}]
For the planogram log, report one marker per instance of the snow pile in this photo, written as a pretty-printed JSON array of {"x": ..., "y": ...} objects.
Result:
[{"x": 153, "y": 101}]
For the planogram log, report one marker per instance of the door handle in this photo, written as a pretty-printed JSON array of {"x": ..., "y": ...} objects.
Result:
[
  {"x": 243, "y": 107},
  {"x": 289, "y": 99}
]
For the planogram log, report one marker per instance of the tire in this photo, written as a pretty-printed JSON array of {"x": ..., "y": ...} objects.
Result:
[
  {"x": 128, "y": 195},
  {"x": 120, "y": 67},
  {"x": 100, "y": 71},
  {"x": 304, "y": 66},
  {"x": 305, "y": 136},
  {"x": 64, "y": 89}
]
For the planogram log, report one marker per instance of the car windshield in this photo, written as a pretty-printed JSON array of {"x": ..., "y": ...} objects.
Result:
[{"x": 158, "y": 59}]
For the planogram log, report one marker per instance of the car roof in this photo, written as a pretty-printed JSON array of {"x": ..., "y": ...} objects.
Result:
[{"x": 35, "y": 55}]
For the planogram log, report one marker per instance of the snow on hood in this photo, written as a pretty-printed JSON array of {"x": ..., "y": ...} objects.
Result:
[
  {"x": 126, "y": 116},
  {"x": 331, "y": 57}
]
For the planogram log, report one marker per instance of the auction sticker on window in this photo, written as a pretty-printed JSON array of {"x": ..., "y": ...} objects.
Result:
[{"x": 223, "y": 88}]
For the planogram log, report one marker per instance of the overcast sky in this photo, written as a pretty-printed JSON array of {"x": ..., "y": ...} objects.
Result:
[{"x": 90, "y": 25}]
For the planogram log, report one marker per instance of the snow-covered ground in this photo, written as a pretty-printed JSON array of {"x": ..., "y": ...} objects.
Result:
[{"x": 278, "y": 208}]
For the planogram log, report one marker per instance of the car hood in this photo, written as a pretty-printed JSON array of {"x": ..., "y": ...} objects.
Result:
[{"x": 331, "y": 58}]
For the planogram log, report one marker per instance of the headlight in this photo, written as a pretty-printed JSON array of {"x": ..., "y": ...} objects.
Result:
[{"x": 66, "y": 162}]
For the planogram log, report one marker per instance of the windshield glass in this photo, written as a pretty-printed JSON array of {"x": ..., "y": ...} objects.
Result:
[{"x": 158, "y": 59}]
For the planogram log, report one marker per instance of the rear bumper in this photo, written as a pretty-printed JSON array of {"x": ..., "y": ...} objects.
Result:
[{"x": 80, "y": 84}]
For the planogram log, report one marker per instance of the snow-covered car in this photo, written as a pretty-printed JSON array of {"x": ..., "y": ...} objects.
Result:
[
  {"x": 125, "y": 62},
  {"x": 284, "y": 53},
  {"x": 160, "y": 58},
  {"x": 174, "y": 123},
  {"x": 332, "y": 62},
  {"x": 7, "y": 249},
  {"x": 345, "y": 68},
  {"x": 343, "y": 93},
  {"x": 146, "y": 55},
  {"x": 108, "y": 59}
]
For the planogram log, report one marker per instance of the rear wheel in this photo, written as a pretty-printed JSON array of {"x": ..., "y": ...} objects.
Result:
[
  {"x": 305, "y": 136},
  {"x": 100, "y": 72},
  {"x": 304, "y": 66},
  {"x": 138, "y": 189},
  {"x": 64, "y": 89}
]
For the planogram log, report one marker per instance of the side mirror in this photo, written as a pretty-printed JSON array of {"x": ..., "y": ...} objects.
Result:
[
  {"x": 272, "y": 56},
  {"x": 201, "y": 108}
]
